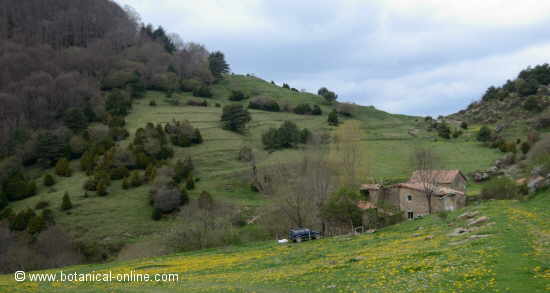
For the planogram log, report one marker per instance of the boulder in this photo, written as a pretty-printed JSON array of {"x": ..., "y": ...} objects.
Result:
[
  {"x": 478, "y": 221},
  {"x": 537, "y": 183},
  {"x": 480, "y": 176},
  {"x": 459, "y": 231},
  {"x": 473, "y": 237},
  {"x": 468, "y": 215}
]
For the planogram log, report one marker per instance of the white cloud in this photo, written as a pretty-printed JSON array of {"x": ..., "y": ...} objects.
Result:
[{"x": 404, "y": 56}]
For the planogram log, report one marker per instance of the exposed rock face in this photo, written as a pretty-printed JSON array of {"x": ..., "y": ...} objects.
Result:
[
  {"x": 537, "y": 183},
  {"x": 468, "y": 215},
  {"x": 459, "y": 231},
  {"x": 478, "y": 221}
]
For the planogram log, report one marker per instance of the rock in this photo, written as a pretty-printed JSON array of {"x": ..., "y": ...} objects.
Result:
[
  {"x": 478, "y": 221},
  {"x": 468, "y": 215},
  {"x": 537, "y": 183},
  {"x": 370, "y": 231},
  {"x": 480, "y": 176},
  {"x": 331, "y": 286},
  {"x": 473, "y": 237},
  {"x": 494, "y": 169},
  {"x": 458, "y": 232},
  {"x": 416, "y": 234},
  {"x": 429, "y": 237},
  {"x": 420, "y": 228}
]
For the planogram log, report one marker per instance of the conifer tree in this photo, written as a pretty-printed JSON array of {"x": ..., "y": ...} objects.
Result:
[{"x": 66, "y": 204}]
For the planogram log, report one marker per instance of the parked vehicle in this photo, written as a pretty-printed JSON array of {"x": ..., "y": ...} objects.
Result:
[{"x": 302, "y": 234}]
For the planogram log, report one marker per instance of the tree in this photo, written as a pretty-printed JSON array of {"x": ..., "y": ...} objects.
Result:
[
  {"x": 3, "y": 201},
  {"x": 329, "y": 96},
  {"x": 184, "y": 196},
  {"x": 525, "y": 147},
  {"x": 75, "y": 119},
  {"x": 237, "y": 96},
  {"x": 349, "y": 153},
  {"x": 464, "y": 125},
  {"x": 425, "y": 163},
  {"x": 333, "y": 118},
  {"x": 235, "y": 117},
  {"x": 62, "y": 168},
  {"x": 66, "y": 203},
  {"x": 341, "y": 209},
  {"x": 135, "y": 179},
  {"x": 206, "y": 202},
  {"x": 157, "y": 214},
  {"x": 101, "y": 188},
  {"x": 532, "y": 104},
  {"x": 36, "y": 225},
  {"x": 118, "y": 103},
  {"x": 217, "y": 64},
  {"x": 190, "y": 183},
  {"x": 443, "y": 130}
]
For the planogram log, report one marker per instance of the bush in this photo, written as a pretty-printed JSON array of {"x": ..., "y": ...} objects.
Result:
[
  {"x": 464, "y": 125},
  {"x": 235, "y": 117},
  {"x": 202, "y": 91},
  {"x": 184, "y": 196},
  {"x": 190, "y": 183},
  {"x": 237, "y": 96},
  {"x": 532, "y": 104},
  {"x": 197, "y": 103},
  {"x": 457, "y": 133},
  {"x": 119, "y": 173},
  {"x": 302, "y": 109},
  {"x": 167, "y": 199},
  {"x": 36, "y": 225},
  {"x": 135, "y": 179},
  {"x": 101, "y": 188},
  {"x": 329, "y": 96},
  {"x": 62, "y": 168},
  {"x": 485, "y": 134},
  {"x": 443, "y": 131},
  {"x": 152, "y": 103},
  {"x": 333, "y": 118},
  {"x": 286, "y": 136},
  {"x": 66, "y": 204},
  {"x": 345, "y": 109},
  {"x": 42, "y": 205},
  {"x": 525, "y": 147},
  {"x": 265, "y": 104},
  {"x": 118, "y": 103},
  {"x": 157, "y": 214},
  {"x": 317, "y": 110},
  {"x": 189, "y": 85},
  {"x": 500, "y": 188}
]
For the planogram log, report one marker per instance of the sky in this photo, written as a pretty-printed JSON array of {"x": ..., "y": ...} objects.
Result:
[{"x": 416, "y": 57}]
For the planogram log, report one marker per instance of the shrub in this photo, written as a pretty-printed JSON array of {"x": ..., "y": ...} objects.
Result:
[
  {"x": 302, "y": 109},
  {"x": 42, "y": 204},
  {"x": 286, "y": 136},
  {"x": 500, "y": 188},
  {"x": 532, "y": 104},
  {"x": 317, "y": 110},
  {"x": 90, "y": 184},
  {"x": 197, "y": 103},
  {"x": 333, "y": 118},
  {"x": 184, "y": 196},
  {"x": 485, "y": 134},
  {"x": 125, "y": 183},
  {"x": 119, "y": 173},
  {"x": 188, "y": 85},
  {"x": 202, "y": 91},
  {"x": 3, "y": 202},
  {"x": 263, "y": 103},
  {"x": 157, "y": 214},
  {"x": 118, "y": 103},
  {"x": 457, "y": 133},
  {"x": 345, "y": 109},
  {"x": 101, "y": 188},
  {"x": 190, "y": 183},
  {"x": 525, "y": 147},
  {"x": 443, "y": 131},
  {"x": 183, "y": 170},
  {"x": 218, "y": 105},
  {"x": 235, "y": 117},
  {"x": 62, "y": 168},
  {"x": 237, "y": 96},
  {"x": 135, "y": 179},
  {"x": 152, "y": 103},
  {"x": 36, "y": 225},
  {"x": 464, "y": 125},
  {"x": 66, "y": 203},
  {"x": 21, "y": 220},
  {"x": 167, "y": 198}
]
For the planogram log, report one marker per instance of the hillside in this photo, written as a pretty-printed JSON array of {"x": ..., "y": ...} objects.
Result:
[
  {"x": 122, "y": 219},
  {"x": 508, "y": 253},
  {"x": 518, "y": 106}
]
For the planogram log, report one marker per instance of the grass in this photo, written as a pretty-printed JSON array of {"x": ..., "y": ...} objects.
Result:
[
  {"x": 124, "y": 216},
  {"x": 514, "y": 258}
]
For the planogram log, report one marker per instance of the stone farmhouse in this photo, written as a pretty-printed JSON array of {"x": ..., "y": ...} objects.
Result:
[{"x": 409, "y": 198}]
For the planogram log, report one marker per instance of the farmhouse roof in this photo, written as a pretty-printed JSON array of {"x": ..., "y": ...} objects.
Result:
[
  {"x": 442, "y": 176},
  {"x": 438, "y": 190},
  {"x": 371, "y": 187}
]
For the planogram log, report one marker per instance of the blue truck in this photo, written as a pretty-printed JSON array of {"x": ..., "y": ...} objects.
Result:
[{"x": 302, "y": 234}]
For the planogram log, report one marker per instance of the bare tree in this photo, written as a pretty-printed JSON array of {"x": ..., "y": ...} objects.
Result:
[
  {"x": 349, "y": 153},
  {"x": 425, "y": 164}
]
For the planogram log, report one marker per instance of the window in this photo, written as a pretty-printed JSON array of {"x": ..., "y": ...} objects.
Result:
[
  {"x": 409, "y": 197},
  {"x": 410, "y": 215}
]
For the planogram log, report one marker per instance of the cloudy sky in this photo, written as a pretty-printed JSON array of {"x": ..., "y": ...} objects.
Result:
[{"x": 425, "y": 57}]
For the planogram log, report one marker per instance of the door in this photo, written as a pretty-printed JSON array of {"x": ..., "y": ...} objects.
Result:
[{"x": 410, "y": 215}]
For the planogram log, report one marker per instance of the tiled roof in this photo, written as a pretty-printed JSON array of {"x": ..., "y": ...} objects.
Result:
[
  {"x": 364, "y": 205},
  {"x": 439, "y": 190},
  {"x": 371, "y": 187},
  {"x": 443, "y": 176}
]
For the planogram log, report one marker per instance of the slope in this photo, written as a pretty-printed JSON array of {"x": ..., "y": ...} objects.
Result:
[{"x": 509, "y": 253}]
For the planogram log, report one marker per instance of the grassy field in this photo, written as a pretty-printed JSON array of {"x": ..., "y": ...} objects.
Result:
[
  {"x": 416, "y": 256},
  {"x": 124, "y": 216}
]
